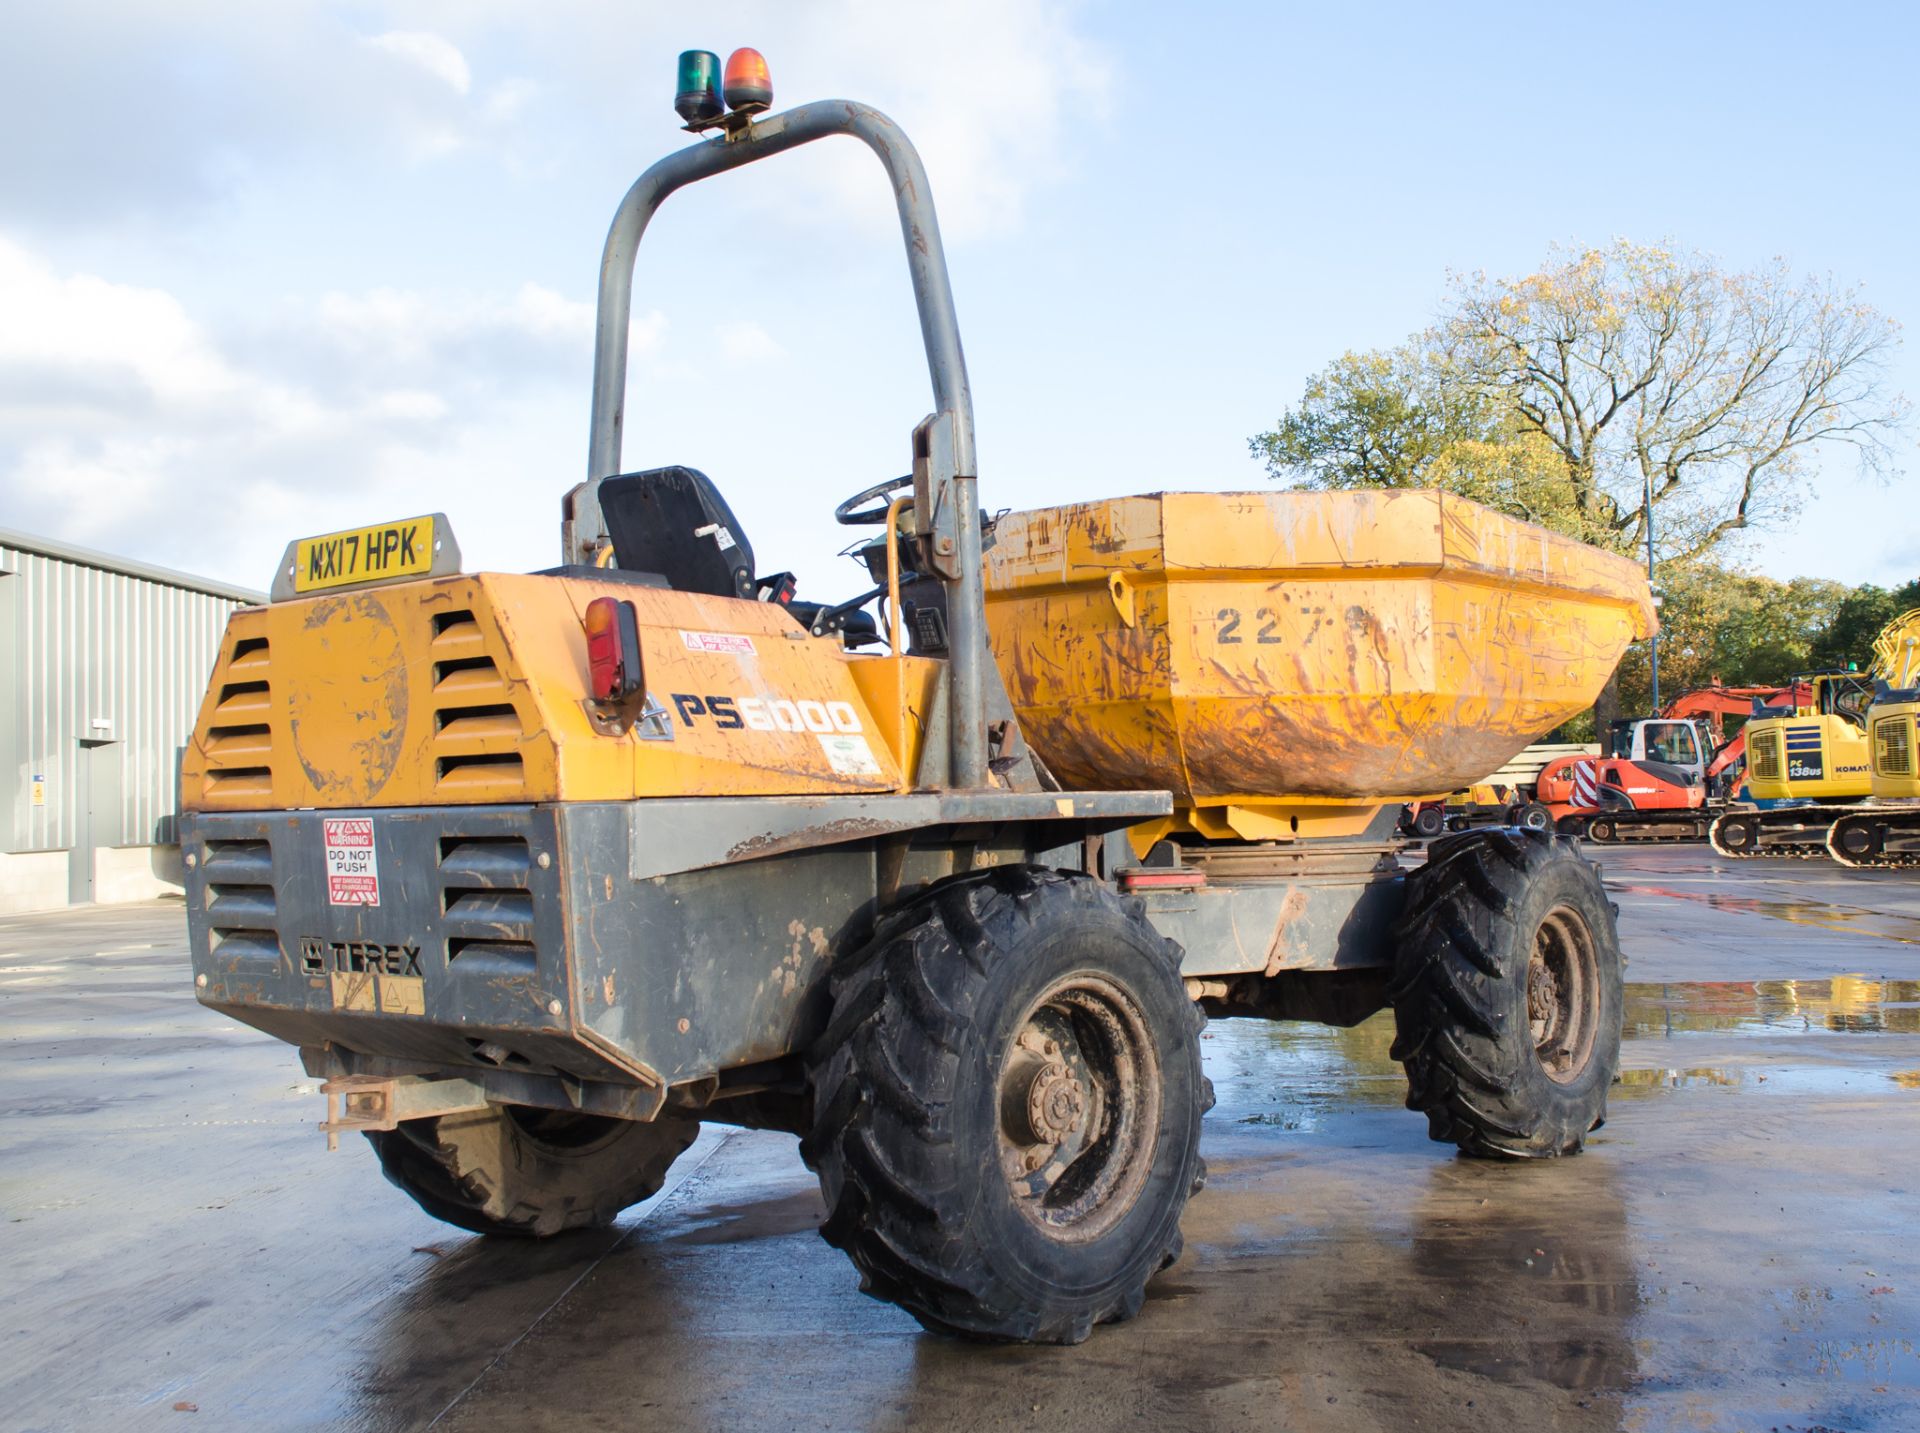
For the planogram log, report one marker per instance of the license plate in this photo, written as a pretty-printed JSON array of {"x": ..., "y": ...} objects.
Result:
[{"x": 379, "y": 553}]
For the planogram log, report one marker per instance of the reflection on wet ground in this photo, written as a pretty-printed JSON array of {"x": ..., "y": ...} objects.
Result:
[
  {"x": 1735, "y": 1251},
  {"x": 1308, "y": 1072},
  {"x": 1822, "y": 915}
]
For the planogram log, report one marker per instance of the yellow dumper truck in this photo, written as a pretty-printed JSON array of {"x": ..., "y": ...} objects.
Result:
[{"x": 540, "y": 871}]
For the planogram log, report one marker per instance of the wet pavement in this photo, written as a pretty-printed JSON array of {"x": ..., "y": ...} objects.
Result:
[{"x": 1736, "y": 1250}]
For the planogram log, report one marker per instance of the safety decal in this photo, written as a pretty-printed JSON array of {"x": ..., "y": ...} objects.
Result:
[
  {"x": 731, "y": 643},
  {"x": 850, "y": 755},
  {"x": 353, "y": 875}
]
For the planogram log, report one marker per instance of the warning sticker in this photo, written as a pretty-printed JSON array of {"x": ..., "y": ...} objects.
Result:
[
  {"x": 731, "y": 642},
  {"x": 353, "y": 879},
  {"x": 850, "y": 755}
]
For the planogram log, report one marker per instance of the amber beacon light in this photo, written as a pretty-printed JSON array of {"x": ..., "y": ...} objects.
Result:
[{"x": 749, "y": 88}]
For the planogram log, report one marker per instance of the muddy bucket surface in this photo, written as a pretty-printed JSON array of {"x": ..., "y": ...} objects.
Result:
[{"x": 1354, "y": 646}]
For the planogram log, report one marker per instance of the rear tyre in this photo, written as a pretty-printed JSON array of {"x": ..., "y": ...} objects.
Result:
[
  {"x": 1506, "y": 995},
  {"x": 529, "y": 1173},
  {"x": 1429, "y": 821},
  {"x": 1007, "y": 1107}
]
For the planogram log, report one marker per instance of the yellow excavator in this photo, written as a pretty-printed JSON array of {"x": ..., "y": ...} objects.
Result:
[
  {"x": 1886, "y": 832},
  {"x": 1818, "y": 757},
  {"x": 540, "y": 871}
]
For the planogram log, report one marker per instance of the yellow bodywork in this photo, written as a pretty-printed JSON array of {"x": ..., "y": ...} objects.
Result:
[
  {"x": 471, "y": 689},
  {"x": 1893, "y": 725},
  {"x": 1892, "y": 732},
  {"x": 1806, "y": 756},
  {"x": 1287, "y": 663}
]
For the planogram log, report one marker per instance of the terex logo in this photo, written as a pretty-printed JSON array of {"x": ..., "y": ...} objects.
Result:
[
  {"x": 767, "y": 714},
  {"x": 317, "y": 957}
]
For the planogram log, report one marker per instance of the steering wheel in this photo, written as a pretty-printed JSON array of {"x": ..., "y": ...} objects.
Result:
[{"x": 851, "y": 514}]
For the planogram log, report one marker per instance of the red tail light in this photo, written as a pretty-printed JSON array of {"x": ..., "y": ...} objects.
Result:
[{"x": 613, "y": 649}]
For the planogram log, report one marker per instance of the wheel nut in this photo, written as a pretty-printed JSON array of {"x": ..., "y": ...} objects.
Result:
[{"x": 1056, "y": 1104}]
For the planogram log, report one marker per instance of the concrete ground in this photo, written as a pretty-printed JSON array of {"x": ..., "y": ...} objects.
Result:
[{"x": 1735, "y": 1251}]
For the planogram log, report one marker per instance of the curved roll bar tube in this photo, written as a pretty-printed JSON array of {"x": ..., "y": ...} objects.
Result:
[{"x": 948, "y": 502}]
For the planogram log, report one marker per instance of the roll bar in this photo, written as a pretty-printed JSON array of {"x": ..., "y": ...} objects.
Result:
[{"x": 946, "y": 501}]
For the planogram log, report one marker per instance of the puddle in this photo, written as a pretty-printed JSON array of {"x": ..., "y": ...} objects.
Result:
[
  {"x": 1846, "y": 1004},
  {"x": 1855, "y": 920},
  {"x": 1764, "y": 1079},
  {"x": 1296, "y": 1077},
  {"x": 1877, "y": 1363}
]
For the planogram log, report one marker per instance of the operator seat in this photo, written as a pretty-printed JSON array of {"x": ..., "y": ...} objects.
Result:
[{"x": 673, "y": 521}]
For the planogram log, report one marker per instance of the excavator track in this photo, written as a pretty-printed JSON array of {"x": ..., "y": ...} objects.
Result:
[
  {"x": 1876, "y": 839},
  {"x": 1795, "y": 832},
  {"x": 1646, "y": 828}
]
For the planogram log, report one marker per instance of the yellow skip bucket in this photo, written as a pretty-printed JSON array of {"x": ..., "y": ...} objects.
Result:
[{"x": 1253, "y": 648}]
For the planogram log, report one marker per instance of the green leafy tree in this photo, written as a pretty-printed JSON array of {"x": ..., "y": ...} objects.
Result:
[{"x": 1847, "y": 636}]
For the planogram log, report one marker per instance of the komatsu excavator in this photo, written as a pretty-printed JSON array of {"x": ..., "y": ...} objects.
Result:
[
  {"x": 1818, "y": 759},
  {"x": 1886, "y": 832}
]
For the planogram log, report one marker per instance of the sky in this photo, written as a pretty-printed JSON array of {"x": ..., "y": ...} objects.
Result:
[{"x": 269, "y": 270}]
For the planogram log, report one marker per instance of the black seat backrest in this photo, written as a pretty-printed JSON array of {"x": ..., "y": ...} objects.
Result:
[{"x": 673, "y": 521}]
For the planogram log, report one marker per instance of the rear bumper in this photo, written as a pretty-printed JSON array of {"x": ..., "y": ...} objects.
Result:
[
  {"x": 632, "y": 944},
  {"x": 456, "y": 953}
]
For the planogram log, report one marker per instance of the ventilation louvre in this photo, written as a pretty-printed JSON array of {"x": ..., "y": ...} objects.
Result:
[
  {"x": 242, "y": 915},
  {"x": 477, "y": 729},
  {"x": 239, "y": 742},
  {"x": 1893, "y": 746}
]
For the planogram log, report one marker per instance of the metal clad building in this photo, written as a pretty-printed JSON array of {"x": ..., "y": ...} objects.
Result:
[{"x": 104, "y": 664}]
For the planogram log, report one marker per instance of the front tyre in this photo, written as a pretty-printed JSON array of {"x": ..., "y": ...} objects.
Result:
[
  {"x": 1008, "y": 1103},
  {"x": 529, "y": 1173},
  {"x": 1507, "y": 995}
]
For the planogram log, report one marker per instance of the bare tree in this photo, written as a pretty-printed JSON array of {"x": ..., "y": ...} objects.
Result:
[
  {"x": 1649, "y": 371},
  {"x": 1614, "y": 382}
]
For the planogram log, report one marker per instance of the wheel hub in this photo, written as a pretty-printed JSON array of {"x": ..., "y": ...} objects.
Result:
[
  {"x": 1543, "y": 996},
  {"x": 1078, "y": 1104},
  {"x": 1056, "y": 1104},
  {"x": 1562, "y": 990}
]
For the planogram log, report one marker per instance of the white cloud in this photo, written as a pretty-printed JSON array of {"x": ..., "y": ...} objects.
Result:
[
  {"x": 162, "y": 107},
  {"x": 92, "y": 336},
  {"x": 744, "y": 341},
  {"x": 506, "y": 101},
  {"x": 127, "y": 423},
  {"x": 391, "y": 331},
  {"x": 435, "y": 54}
]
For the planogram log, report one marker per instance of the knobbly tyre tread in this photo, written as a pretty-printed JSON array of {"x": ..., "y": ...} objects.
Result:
[
  {"x": 482, "y": 1172},
  {"x": 1461, "y": 955},
  {"x": 886, "y": 1073}
]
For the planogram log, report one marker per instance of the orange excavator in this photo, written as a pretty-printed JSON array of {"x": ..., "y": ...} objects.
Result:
[{"x": 1663, "y": 777}]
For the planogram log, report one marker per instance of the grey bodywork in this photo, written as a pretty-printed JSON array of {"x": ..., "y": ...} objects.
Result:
[{"x": 613, "y": 955}]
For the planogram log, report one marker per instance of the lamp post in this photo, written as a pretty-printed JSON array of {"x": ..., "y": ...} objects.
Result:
[{"x": 1653, "y": 649}]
